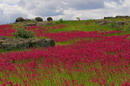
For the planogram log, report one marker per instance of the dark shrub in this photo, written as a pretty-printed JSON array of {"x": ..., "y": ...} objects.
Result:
[
  {"x": 22, "y": 33},
  {"x": 60, "y": 21}
]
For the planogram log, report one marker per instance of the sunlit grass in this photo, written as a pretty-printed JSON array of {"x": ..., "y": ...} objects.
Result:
[{"x": 75, "y": 69}]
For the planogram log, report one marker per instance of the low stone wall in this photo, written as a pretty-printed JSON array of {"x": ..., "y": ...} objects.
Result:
[
  {"x": 117, "y": 23},
  {"x": 20, "y": 43}
]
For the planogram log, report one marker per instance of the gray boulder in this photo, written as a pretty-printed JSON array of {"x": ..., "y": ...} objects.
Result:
[
  {"x": 122, "y": 17},
  {"x": 44, "y": 23},
  {"x": 121, "y": 23},
  {"x": 49, "y": 19},
  {"x": 41, "y": 24},
  {"x": 19, "y": 19},
  {"x": 20, "y": 43},
  {"x": 38, "y": 19},
  {"x": 30, "y": 24},
  {"x": 2, "y": 37},
  {"x": 102, "y": 22},
  {"x": 36, "y": 43},
  {"x": 108, "y": 17},
  {"x": 27, "y": 20},
  {"x": 48, "y": 43},
  {"x": 1, "y": 41},
  {"x": 49, "y": 23},
  {"x": 43, "y": 42},
  {"x": 6, "y": 45}
]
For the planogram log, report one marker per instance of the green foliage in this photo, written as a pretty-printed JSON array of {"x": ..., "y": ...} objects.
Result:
[
  {"x": 78, "y": 18},
  {"x": 60, "y": 21},
  {"x": 1, "y": 74},
  {"x": 52, "y": 76},
  {"x": 22, "y": 33},
  {"x": 114, "y": 26},
  {"x": 128, "y": 28},
  {"x": 15, "y": 26}
]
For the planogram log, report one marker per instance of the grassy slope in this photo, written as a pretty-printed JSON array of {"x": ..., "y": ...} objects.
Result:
[
  {"x": 88, "y": 26},
  {"x": 52, "y": 77}
]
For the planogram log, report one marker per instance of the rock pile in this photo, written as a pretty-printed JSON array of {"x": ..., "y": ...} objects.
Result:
[
  {"x": 33, "y": 22},
  {"x": 117, "y": 17},
  {"x": 116, "y": 23},
  {"x": 121, "y": 23},
  {"x": 44, "y": 23},
  {"x": 122, "y": 17},
  {"x": 102, "y": 22},
  {"x": 18, "y": 43},
  {"x": 108, "y": 17}
]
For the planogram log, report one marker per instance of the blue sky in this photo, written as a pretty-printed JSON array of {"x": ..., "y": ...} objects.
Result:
[{"x": 66, "y": 9}]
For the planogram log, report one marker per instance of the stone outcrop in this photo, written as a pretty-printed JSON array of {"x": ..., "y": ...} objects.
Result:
[
  {"x": 117, "y": 17},
  {"x": 19, "y": 19},
  {"x": 18, "y": 43},
  {"x": 108, "y": 17},
  {"x": 115, "y": 23},
  {"x": 122, "y": 17},
  {"x": 49, "y": 19},
  {"x": 30, "y": 24},
  {"x": 102, "y": 22},
  {"x": 38, "y": 19},
  {"x": 28, "y": 20},
  {"x": 44, "y": 23},
  {"x": 121, "y": 23}
]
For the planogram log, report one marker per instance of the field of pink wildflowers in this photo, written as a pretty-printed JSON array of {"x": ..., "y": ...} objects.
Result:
[
  {"x": 95, "y": 59},
  {"x": 6, "y": 30}
]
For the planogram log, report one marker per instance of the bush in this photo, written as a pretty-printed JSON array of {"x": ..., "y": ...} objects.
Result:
[
  {"x": 22, "y": 33},
  {"x": 127, "y": 28},
  {"x": 115, "y": 26},
  {"x": 60, "y": 21}
]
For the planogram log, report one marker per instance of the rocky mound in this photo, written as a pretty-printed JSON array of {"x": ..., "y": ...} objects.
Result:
[
  {"x": 18, "y": 43},
  {"x": 117, "y": 23},
  {"x": 117, "y": 17}
]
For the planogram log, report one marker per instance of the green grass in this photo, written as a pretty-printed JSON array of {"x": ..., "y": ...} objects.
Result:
[
  {"x": 88, "y": 26},
  {"x": 56, "y": 76},
  {"x": 53, "y": 77}
]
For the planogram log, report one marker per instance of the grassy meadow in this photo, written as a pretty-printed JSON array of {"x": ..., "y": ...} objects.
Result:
[{"x": 86, "y": 54}]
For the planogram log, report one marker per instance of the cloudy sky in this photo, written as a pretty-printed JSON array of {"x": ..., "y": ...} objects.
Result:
[{"x": 66, "y": 9}]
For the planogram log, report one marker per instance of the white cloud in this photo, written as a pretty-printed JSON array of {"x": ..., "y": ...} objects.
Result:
[
  {"x": 66, "y": 9},
  {"x": 9, "y": 12}
]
